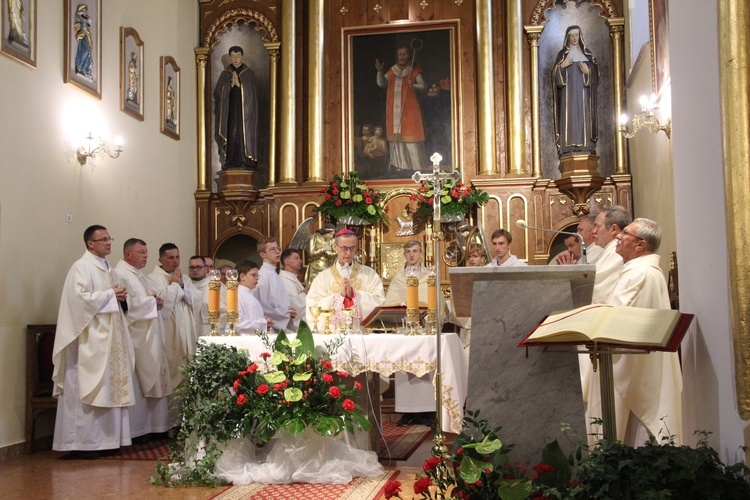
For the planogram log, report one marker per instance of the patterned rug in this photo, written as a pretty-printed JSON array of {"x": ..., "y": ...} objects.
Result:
[
  {"x": 361, "y": 488},
  {"x": 399, "y": 444}
]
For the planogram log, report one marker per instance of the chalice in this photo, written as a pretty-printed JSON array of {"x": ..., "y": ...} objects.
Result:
[
  {"x": 315, "y": 312},
  {"x": 348, "y": 319},
  {"x": 326, "y": 313}
]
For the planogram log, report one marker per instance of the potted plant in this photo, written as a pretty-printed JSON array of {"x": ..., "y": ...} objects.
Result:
[
  {"x": 457, "y": 200},
  {"x": 351, "y": 200}
]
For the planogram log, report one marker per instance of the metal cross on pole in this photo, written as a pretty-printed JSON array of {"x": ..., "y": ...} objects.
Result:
[{"x": 437, "y": 177}]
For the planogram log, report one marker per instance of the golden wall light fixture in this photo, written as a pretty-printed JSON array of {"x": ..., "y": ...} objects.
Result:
[
  {"x": 645, "y": 119},
  {"x": 99, "y": 148}
]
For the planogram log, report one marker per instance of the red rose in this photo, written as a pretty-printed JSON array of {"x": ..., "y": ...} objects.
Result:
[
  {"x": 460, "y": 451},
  {"x": 326, "y": 364},
  {"x": 334, "y": 184},
  {"x": 357, "y": 385},
  {"x": 262, "y": 388},
  {"x": 327, "y": 377},
  {"x": 430, "y": 200},
  {"x": 342, "y": 374},
  {"x": 276, "y": 387},
  {"x": 431, "y": 463},
  {"x": 265, "y": 355},
  {"x": 335, "y": 192},
  {"x": 478, "y": 484},
  {"x": 338, "y": 203},
  {"x": 348, "y": 405},
  {"x": 422, "y": 485},
  {"x": 413, "y": 197},
  {"x": 252, "y": 368},
  {"x": 236, "y": 385},
  {"x": 241, "y": 399},
  {"x": 334, "y": 391},
  {"x": 328, "y": 197},
  {"x": 392, "y": 489},
  {"x": 368, "y": 201}
]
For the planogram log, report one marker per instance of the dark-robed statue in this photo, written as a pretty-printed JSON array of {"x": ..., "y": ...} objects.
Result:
[
  {"x": 575, "y": 79},
  {"x": 236, "y": 114}
]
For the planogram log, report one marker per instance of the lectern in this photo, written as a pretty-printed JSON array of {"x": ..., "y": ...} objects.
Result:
[{"x": 527, "y": 392}]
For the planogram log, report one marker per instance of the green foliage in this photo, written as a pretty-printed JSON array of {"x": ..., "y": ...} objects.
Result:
[
  {"x": 455, "y": 198},
  {"x": 348, "y": 195}
]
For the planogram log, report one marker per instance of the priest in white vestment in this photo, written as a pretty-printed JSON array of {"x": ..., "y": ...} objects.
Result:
[
  {"x": 649, "y": 386},
  {"x": 198, "y": 269},
  {"x": 415, "y": 396},
  {"x": 291, "y": 262},
  {"x": 586, "y": 230},
  {"x": 180, "y": 339},
  {"x": 271, "y": 292},
  {"x": 151, "y": 411},
  {"x": 251, "y": 317},
  {"x": 93, "y": 356},
  {"x": 501, "y": 241},
  {"x": 346, "y": 284}
]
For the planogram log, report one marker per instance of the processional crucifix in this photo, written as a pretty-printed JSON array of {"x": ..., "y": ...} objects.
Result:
[{"x": 437, "y": 177}]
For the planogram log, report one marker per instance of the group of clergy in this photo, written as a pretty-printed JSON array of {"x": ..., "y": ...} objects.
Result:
[{"x": 122, "y": 336}]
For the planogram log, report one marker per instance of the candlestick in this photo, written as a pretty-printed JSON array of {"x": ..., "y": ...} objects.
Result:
[
  {"x": 412, "y": 301},
  {"x": 214, "y": 293},
  {"x": 373, "y": 245},
  {"x": 232, "y": 303}
]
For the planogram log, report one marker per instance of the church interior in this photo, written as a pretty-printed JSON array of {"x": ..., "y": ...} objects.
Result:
[{"x": 489, "y": 111}]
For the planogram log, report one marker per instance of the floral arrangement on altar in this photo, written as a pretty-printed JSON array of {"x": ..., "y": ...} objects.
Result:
[
  {"x": 351, "y": 196},
  {"x": 230, "y": 397},
  {"x": 456, "y": 198}
]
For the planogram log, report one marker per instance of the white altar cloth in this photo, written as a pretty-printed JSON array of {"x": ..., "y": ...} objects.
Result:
[{"x": 387, "y": 354}]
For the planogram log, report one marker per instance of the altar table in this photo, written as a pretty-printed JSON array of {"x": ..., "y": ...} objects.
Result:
[{"x": 387, "y": 354}]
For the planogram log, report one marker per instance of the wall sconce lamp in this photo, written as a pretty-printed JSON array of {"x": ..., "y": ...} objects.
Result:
[
  {"x": 99, "y": 150},
  {"x": 645, "y": 119}
]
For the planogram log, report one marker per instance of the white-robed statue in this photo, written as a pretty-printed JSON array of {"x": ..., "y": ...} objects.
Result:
[
  {"x": 93, "y": 355},
  {"x": 575, "y": 79},
  {"x": 346, "y": 284}
]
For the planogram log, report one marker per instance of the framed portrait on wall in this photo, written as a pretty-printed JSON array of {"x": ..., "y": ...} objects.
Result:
[
  {"x": 169, "y": 87},
  {"x": 659, "y": 31},
  {"x": 401, "y": 93},
  {"x": 131, "y": 73},
  {"x": 83, "y": 45},
  {"x": 18, "y": 28}
]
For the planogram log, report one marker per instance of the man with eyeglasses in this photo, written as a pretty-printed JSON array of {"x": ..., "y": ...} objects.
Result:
[
  {"x": 180, "y": 338},
  {"x": 198, "y": 271},
  {"x": 346, "y": 284},
  {"x": 647, "y": 387},
  {"x": 270, "y": 291},
  {"x": 93, "y": 356},
  {"x": 153, "y": 386}
]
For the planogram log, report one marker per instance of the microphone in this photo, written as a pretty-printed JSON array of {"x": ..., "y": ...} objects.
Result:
[{"x": 522, "y": 224}]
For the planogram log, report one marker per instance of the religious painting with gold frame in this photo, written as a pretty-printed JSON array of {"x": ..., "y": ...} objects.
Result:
[
  {"x": 131, "y": 73},
  {"x": 83, "y": 45},
  {"x": 659, "y": 30},
  {"x": 391, "y": 260},
  {"x": 18, "y": 28},
  {"x": 401, "y": 97},
  {"x": 169, "y": 116}
]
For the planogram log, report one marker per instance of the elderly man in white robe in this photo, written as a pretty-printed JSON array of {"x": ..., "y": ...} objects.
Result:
[
  {"x": 501, "y": 241},
  {"x": 415, "y": 396},
  {"x": 180, "y": 339},
  {"x": 346, "y": 284},
  {"x": 648, "y": 387},
  {"x": 198, "y": 269},
  {"x": 93, "y": 356},
  {"x": 271, "y": 292},
  {"x": 291, "y": 262},
  {"x": 151, "y": 411}
]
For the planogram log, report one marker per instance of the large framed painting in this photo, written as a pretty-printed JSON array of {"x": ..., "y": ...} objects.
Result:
[
  {"x": 169, "y": 86},
  {"x": 83, "y": 45},
  {"x": 401, "y": 96},
  {"x": 18, "y": 28},
  {"x": 659, "y": 21},
  {"x": 131, "y": 73}
]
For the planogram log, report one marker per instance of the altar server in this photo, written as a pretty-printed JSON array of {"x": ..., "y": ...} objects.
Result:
[
  {"x": 251, "y": 317},
  {"x": 291, "y": 262},
  {"x": 270, "y": 291}
]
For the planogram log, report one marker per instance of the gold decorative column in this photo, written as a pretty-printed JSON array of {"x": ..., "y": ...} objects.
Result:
[
  {"x": 316, "y": 47},
  {"x": 516, "y": 124},
  {"x": 616, "y": 31},
  {"x": 273, "y": 54},
  {"x": 734, "y": 74},
  {"x": 533, "y": 33},
  {"x": 485, "y": 89},
  {"x": 288, "y": 93},
  {"x": 201, "y": 58}
]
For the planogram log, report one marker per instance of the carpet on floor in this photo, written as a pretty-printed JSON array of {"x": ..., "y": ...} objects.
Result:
[
  {"x": 361, "y": 488},
  {"x": 399, "y": 444}
]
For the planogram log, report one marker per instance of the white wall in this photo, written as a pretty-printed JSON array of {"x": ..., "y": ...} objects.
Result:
[
  {"x": 147, "y": 192},
  {"x": 708, "y": 362}
]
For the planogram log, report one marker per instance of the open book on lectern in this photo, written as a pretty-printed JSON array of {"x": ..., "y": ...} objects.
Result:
[
  {"x": 623, "y": 326},
  {"x": 389, "y": 318}
]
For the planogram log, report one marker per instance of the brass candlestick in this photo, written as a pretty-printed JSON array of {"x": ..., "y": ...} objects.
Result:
[
  {"x": 327, "y": 313},
  {"x": 214, "y": 297},
  {"x": 232, "y": 301},
  {"x": 315, "y": 313}
]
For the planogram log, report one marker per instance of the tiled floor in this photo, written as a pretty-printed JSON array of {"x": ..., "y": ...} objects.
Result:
[{"x": 42, "y": 475}]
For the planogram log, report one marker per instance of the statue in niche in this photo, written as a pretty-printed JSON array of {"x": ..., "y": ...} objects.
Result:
[
  {"x": 575, "y": 80},
  {"x": 236, "y": 114}
]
